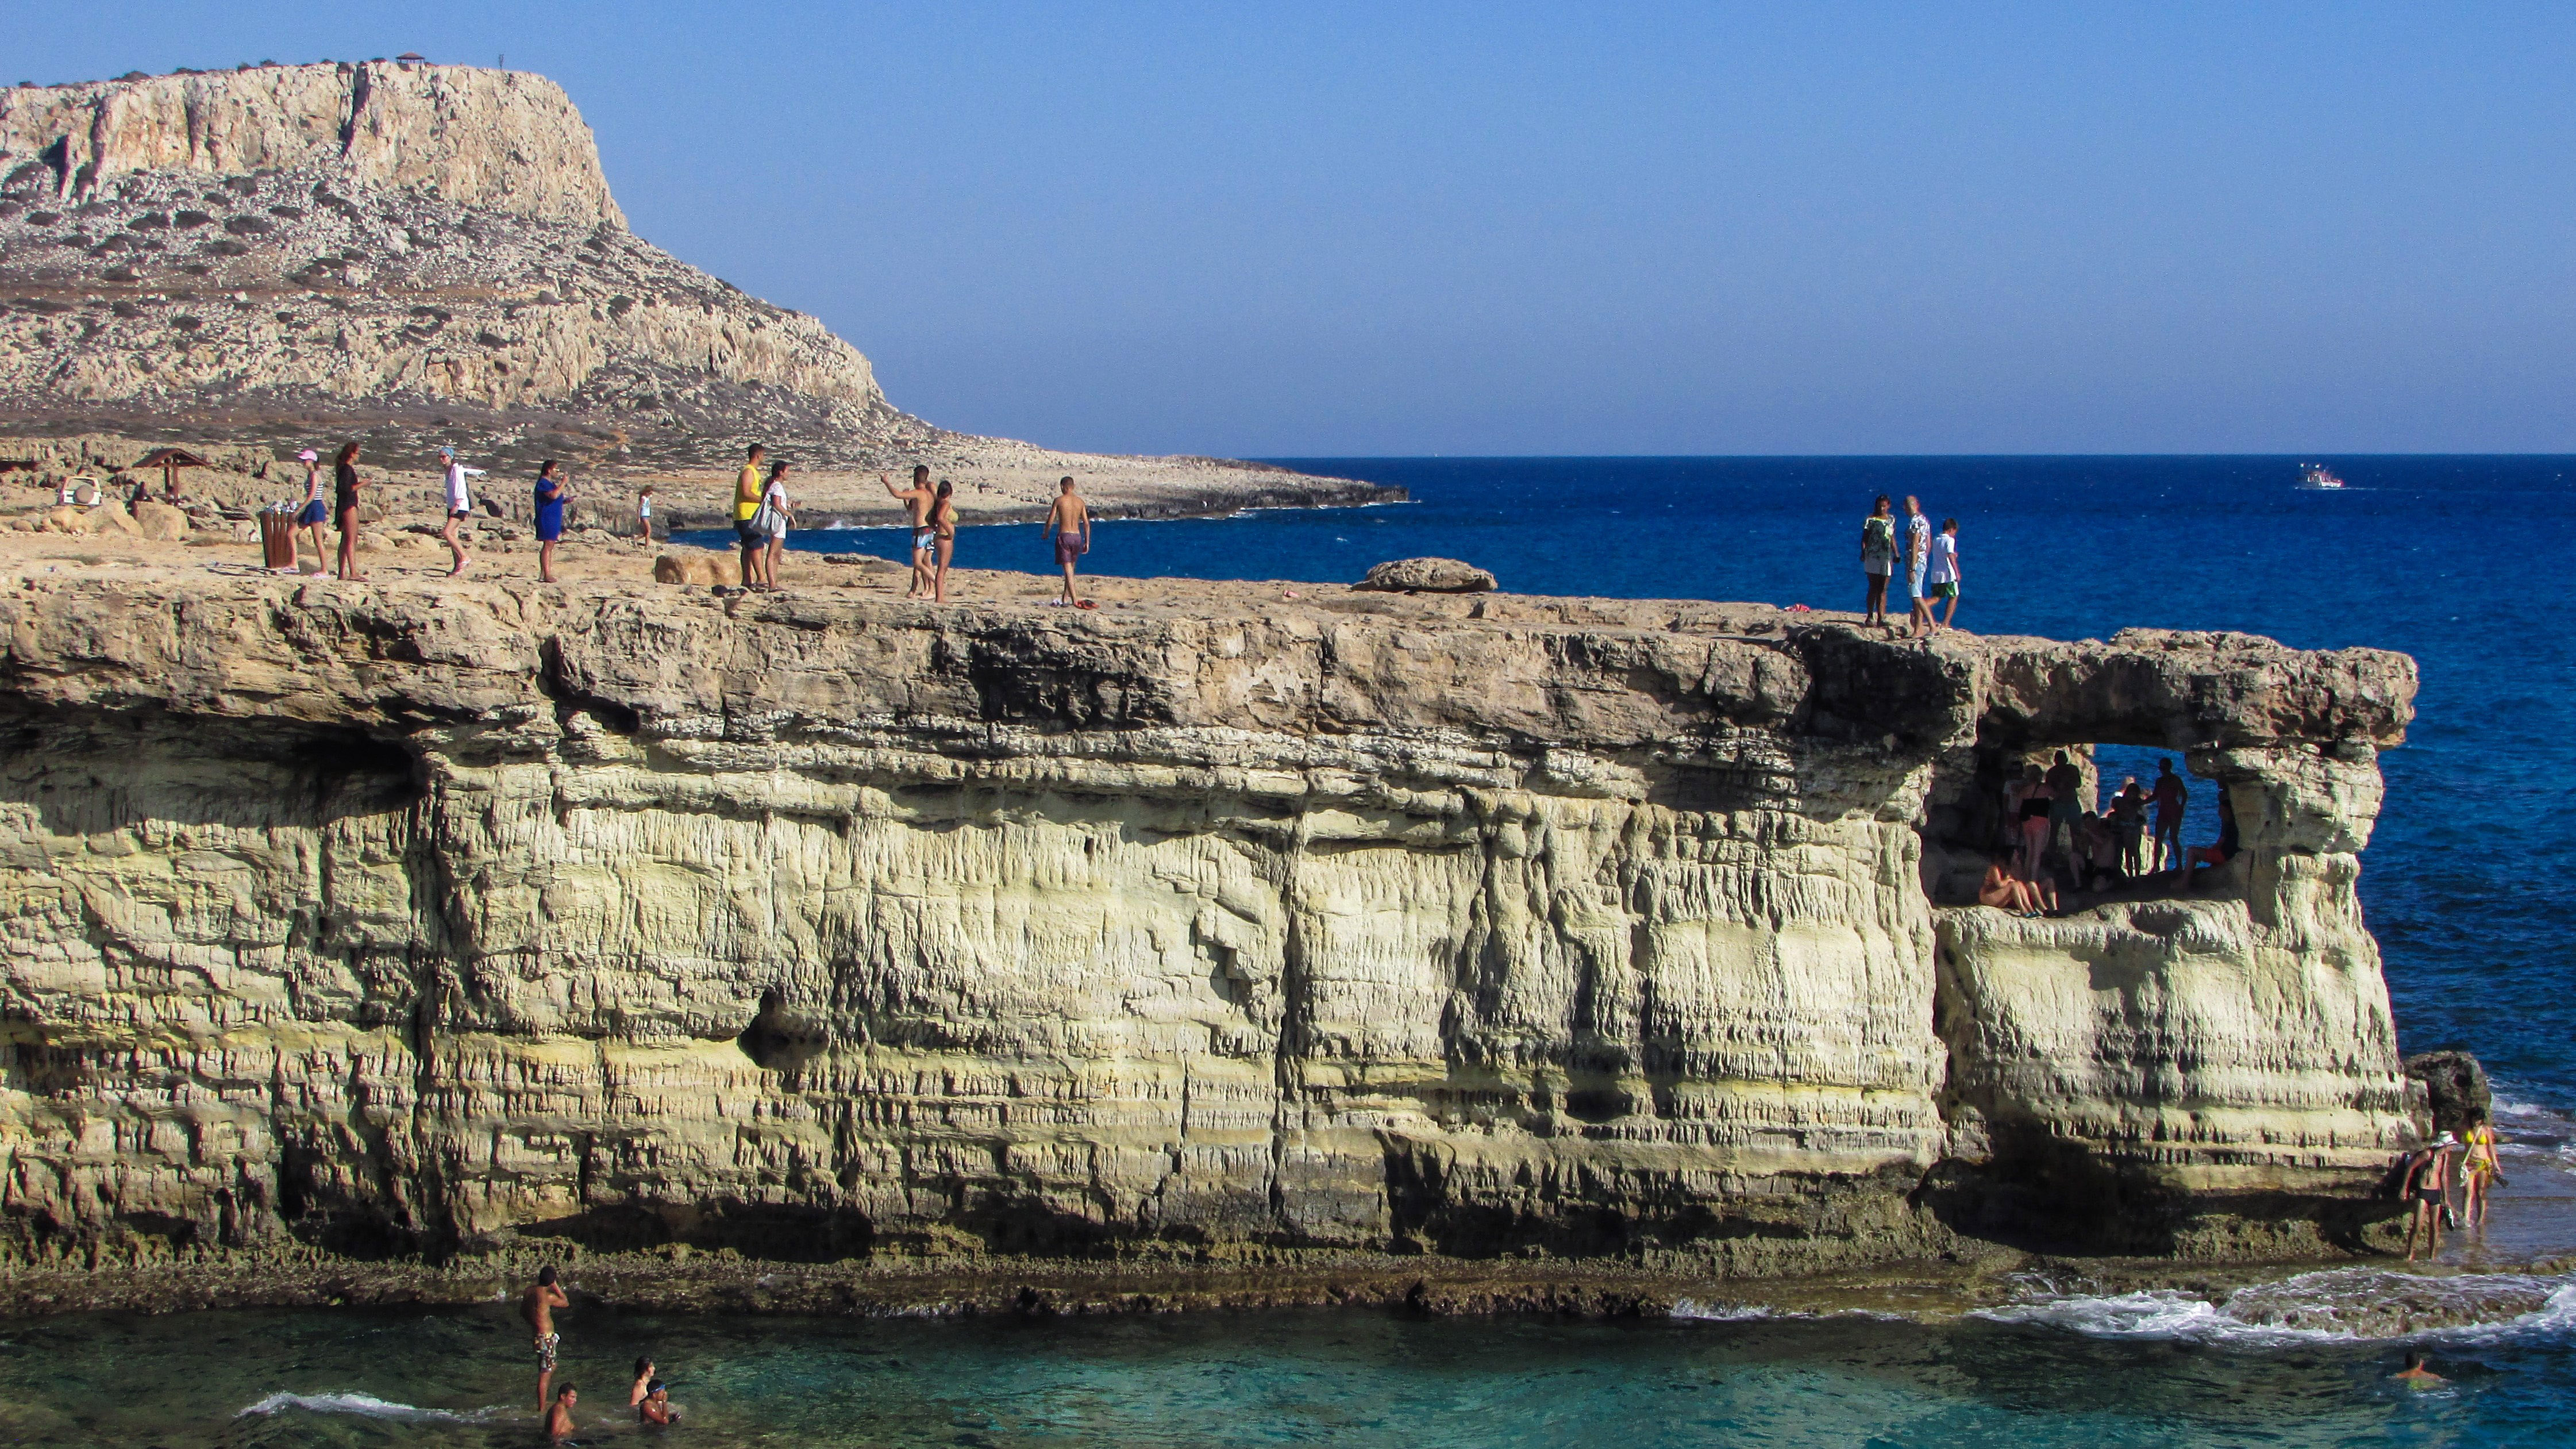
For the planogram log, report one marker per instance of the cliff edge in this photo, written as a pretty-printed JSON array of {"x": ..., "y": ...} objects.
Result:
[{"x": 416, "y": 917}]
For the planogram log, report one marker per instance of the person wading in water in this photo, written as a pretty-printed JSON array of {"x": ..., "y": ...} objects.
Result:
[{"x": 2427, "y": 1185}]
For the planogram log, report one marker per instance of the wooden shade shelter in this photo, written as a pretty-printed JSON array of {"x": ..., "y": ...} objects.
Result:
[{"x": 170, "y": 461}]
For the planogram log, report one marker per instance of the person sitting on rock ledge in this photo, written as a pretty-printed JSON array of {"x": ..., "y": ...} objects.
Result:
[
  {"x": 2219, "y": 854},
  {"x": 2005, "y": 891}
]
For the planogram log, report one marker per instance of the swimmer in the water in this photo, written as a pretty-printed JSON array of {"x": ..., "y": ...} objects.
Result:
[
  {"x": 559, "y": 1415},
  {"x": 643, "y": 1380},
  {"x": 656, "y": 1408},
  {"x": 2415, "y": 1373}
]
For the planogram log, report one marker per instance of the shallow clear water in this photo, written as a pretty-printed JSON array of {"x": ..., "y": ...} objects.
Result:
[
  {"x": 2470, "y": 885},
  {"x": 456, "y": 1379}
]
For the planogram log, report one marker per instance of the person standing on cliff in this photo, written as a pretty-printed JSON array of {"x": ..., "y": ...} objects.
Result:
[
  {"x": 550, "y": 518},
  {"x": 2128, "y": 815},
  {"x": 644, "y": 513},
  {"x": 538, "y": 1306},
  {"x": 310, "y": 516},
  {"x": 1069, "y": 524},
  {"x": 1942, "y": 578},
  {"x": 1877, "y": 559},
  {"x": 344, "y": 507},
  {"x": 916, "y": 501},
  {"x": 1918, "y": 559},
  {"x": 943, "y": 530},
  {"x": 2170, "y": 795},
  {"x": 746, "y": 508},
  {"x": 775, "y": 516},
  {"x": 460, "y": 507},
  {"x": 2066, "y": 804}
]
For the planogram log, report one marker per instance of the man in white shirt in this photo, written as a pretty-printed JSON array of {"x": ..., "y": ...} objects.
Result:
[
  {"x": 1918, "y": 555},
  {"x": 460, "y": 506}
]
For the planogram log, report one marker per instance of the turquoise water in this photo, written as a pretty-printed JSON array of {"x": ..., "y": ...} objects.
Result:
[
  {"x": 2470, "y": 885},
  {"x": 1362, "y": 1379}
]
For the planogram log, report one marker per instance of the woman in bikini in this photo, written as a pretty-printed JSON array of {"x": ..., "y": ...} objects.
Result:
[
  {"x": 2479, "y": 1171},
  {"x": 943, "y": 528}
]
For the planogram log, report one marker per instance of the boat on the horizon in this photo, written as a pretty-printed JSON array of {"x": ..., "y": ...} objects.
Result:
[{"x": 2315, "y": 475}]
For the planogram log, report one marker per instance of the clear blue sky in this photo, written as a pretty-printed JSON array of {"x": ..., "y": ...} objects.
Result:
[{"x": 1596, "y": 228}]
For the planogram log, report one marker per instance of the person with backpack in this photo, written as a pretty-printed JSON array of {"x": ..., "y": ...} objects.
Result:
[{"x": 1877, "y": 559}]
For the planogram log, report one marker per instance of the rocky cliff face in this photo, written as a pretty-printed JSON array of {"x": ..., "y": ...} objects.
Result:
[
  {"x": 385, "y": 916},
  {"x": 413, "y": 255},
  {"x": 488, "y": 139}
]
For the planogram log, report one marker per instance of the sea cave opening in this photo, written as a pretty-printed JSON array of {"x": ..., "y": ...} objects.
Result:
[{"x": 2004, "y": 803}]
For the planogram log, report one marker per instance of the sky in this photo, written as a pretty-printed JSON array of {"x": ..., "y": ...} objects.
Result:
[{"x": 1612, "y": 228}]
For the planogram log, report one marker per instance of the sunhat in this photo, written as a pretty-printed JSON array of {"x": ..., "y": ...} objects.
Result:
[{"x": 308, "y": 456}]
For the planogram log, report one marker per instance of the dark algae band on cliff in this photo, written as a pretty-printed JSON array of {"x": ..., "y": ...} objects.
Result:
[{"x": 430, "y": 919}]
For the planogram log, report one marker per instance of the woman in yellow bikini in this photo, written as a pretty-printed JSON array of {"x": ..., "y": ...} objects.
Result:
[{"x": 2479, "y": 1172}]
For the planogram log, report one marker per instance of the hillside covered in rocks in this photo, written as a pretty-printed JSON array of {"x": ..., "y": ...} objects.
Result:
[{"x": 409, "y": 254}]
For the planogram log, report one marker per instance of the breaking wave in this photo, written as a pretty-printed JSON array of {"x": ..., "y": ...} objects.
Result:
[
  {"x": 365, "y": 1406},
  {"x": 1691, "y": 1310},
  {"x": 2337, "y": 1305}
]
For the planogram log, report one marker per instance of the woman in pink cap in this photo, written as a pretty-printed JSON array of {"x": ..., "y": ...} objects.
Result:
[{"x": 314, "y": 512}]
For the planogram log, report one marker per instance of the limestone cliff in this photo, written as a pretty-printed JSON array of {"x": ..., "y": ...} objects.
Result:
[
  {"x": 414, "y": 255},
  {"x": 392, "y": 916}
]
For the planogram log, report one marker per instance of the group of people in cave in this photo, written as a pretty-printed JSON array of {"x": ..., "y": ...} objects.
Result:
[{"x": 2052, "y": 835}]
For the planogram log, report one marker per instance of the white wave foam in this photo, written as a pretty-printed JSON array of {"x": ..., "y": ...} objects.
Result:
[
  {"x": 2342, "y": 1305},
  {"x": 366, "y": 1406},
  {"x": 1691, "y": 1310}
]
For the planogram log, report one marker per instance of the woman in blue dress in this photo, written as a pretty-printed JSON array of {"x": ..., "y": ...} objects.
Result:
[{"x": 550, "y": 518}]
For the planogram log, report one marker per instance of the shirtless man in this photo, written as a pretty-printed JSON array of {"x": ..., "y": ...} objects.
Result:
[
  {"x": 559, "y": 1415},
  {"x": 538, "y": 1306},
  {"x": 925, "y": 539},
  {"x": 2427, "y": 1186},
  {"x": 1069, "y": 524}
]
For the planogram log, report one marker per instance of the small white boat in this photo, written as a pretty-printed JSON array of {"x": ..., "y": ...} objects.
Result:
[{"x": 2314, "y": 475}]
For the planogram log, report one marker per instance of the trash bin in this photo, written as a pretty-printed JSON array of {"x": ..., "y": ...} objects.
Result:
[{"x": 277, "y": 540}]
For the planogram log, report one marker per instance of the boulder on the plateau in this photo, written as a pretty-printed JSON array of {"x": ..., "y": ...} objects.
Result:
[
  {"x": 160, "y": 521},
  {"x": 1427, "y": 576}
]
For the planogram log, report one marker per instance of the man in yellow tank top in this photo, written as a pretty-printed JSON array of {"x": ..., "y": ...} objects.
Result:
[{"x": 746, "y": 503}]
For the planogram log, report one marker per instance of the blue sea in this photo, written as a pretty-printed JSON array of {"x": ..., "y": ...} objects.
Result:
[{"x": 2467, "y": 885}]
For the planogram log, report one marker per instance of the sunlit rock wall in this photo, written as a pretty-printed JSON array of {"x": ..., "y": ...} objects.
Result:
[{"x": 385, "y": 917}]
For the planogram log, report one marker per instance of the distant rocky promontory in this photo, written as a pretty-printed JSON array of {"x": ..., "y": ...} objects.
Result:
[{"x": 415, "y": 254}]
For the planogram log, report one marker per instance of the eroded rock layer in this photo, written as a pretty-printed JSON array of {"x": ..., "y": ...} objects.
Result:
[{"x": 398, "y": 916}]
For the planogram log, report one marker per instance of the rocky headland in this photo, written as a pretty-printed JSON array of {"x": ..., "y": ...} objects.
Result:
[
  {"x": 1227, "y": 928},
  {"x": 281, "y": 257}
]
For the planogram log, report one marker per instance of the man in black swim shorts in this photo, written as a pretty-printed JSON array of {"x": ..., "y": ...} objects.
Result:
[{"x": 2427, "y": 1189}]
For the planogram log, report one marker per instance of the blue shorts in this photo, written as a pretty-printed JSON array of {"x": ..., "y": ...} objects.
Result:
[
  {"x": 1914, "y": 577},
  {"x": 312, "y": 513}
]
